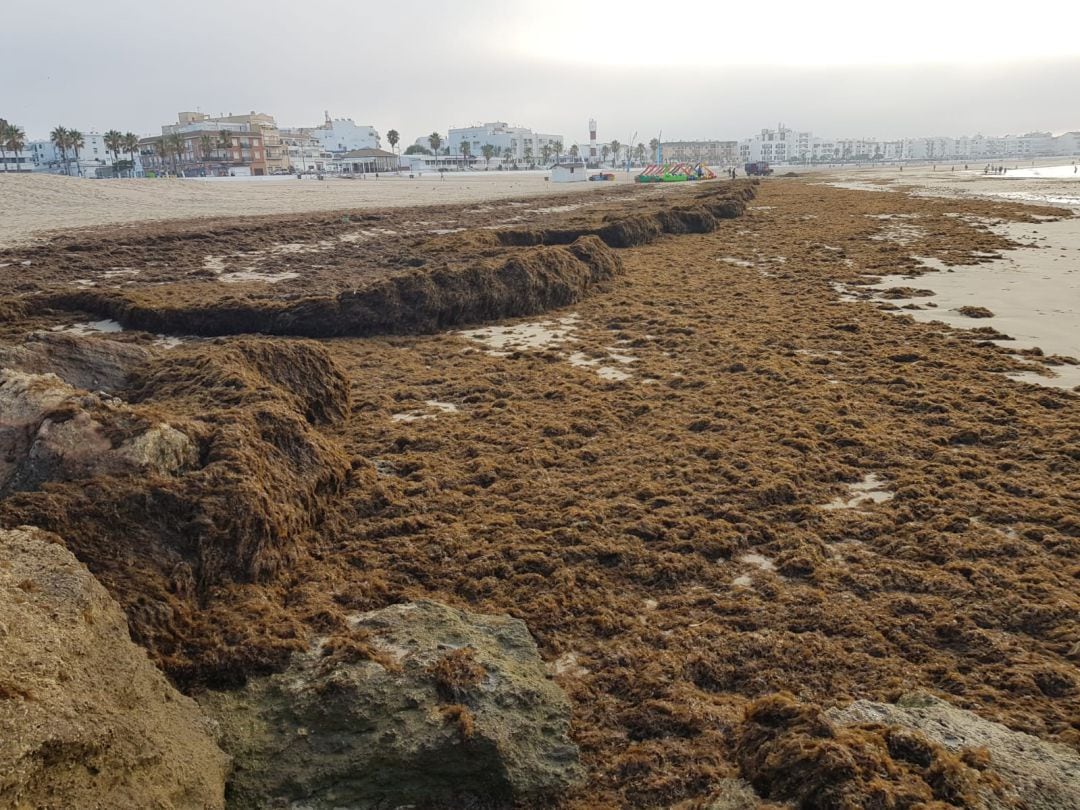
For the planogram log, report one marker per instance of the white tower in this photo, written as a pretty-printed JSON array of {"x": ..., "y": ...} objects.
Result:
[{"x": 592, "y": 140}]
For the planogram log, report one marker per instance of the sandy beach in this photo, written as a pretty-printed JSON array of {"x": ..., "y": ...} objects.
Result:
[
  {"x": 34, "y": 205},
  {"x": 709, "y": 443}
]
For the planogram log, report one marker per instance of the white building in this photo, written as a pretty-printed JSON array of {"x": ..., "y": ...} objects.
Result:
[
  {"x": 95, "y": 160},
  {"x": 522, "y": 142},
  {"x": 344, "y": 135},
  {"x": 569, "y": 172},
  {"x": 305, "y": 152}
]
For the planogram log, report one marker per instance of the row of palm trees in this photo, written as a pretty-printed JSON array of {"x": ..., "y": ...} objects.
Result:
[
  {"x": 117, "y": 142},
  {"x": 12, "y": 139},
  {"x": 548, "y": 151}
]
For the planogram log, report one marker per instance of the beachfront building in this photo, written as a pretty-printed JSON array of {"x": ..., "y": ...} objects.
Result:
[
  {"x": 513, "y": 143},
  {"x": 261, "y": 150},
  {"x": 711, "y": 153},
  {"x": 205, "y": 147},
  {"x": 305, "y": 152},
  {"x": 340, "y": 135},
  {"x": 365, "y": 161},
  {"x": 95, "y": 159}
]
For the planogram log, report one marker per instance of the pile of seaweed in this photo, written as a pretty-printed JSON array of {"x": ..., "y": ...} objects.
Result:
[
  {"x": 459, "y": 278},
  {"x": 171, "y": 544}
]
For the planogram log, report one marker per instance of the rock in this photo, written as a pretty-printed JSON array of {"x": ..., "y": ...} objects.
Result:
[
  {"x": 84, "y": 361},
  {"x": 423, "y": 703},
  {"x": 85, "y": 719},
  {"x": 50, "y": 431},
  {"x": 1038, "y": 775}
]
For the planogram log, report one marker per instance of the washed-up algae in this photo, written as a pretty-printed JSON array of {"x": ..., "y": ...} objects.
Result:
[{"x": 663, "y": 536}]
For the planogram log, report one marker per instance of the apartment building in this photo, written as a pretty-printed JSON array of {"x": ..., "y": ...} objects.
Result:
[
  {"x": 521, "y": 141},
  {"x": 712, "y": 153}
]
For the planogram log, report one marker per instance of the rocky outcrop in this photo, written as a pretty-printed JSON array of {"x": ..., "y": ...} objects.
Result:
[
  {"x": 85, "y": 719},
  {"x": 1036, "y": 774},
  {"x": 421, "y": 703},
  {"x": 84, "y": 361},
  {"x": 213, "y": 471},
  {"x": 50, "y": 431}
]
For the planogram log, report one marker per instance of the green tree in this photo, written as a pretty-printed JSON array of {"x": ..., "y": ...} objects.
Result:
[
  {"x": 605, "y": 150},
  {"x": 545, "y": 153},
  {"x": 392, "y": 138},
  {"x": 529, "y": 156},
  {"x": 466, "y": 153},
  {"x": 59, "y": 138},
  {"x": 615, "y": 147},
  {"x": 654, "y": 144},
  {"x": 206, "y": 146},
  {"x": 224, "y": 142},
  {"x": 435, "y": 139},
  {"x": 76, "y": 142},
  {"x": 3, "y": 145},
  {"x": 556, "y": 149},
  {"x": 114, "y": 142},
  {"x": 175, "y": 144},
  {"x": 14, "y": 139},
  {"x": 574, "y": 151},
  {"x": 508, "y": 154},
  {"x": 639, "y": 153},
  {"x": 161, "y": 149},
  {"x": 417, "y": 149},
  {"x": 131, "y": 146},
  {"x": 488, "y": 151}
]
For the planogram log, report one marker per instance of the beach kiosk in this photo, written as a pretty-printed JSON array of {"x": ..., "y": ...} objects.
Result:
[{"x": 569, "y": 172}]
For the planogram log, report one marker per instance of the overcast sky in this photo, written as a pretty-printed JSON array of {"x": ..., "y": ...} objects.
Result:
[{"x": 692, "y": 69}]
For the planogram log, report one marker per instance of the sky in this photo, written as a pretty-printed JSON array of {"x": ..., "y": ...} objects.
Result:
[{"x": 702, "y": 70}]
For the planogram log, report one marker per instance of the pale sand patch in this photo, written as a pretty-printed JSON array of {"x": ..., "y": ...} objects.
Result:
[{"x": 34, "y": 204}]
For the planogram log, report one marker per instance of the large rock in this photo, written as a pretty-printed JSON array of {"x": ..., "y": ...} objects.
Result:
[
  {"x": 86, "y": 720},
  {"x": 51, "y": 431},
  {"x": 91, "y": 362},
  {"x": 422, "y": 703},
  {"x": 1037, "y": 775}
]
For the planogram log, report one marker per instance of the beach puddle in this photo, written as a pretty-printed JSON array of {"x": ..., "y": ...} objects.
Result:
[
  {"x": 871, "y": 489},
  {"x": 503, "y": 341},
  {"x": 252, "y": 275},
  {"x": 91, "y": 327},
  {"x": 434, "y": 410}
]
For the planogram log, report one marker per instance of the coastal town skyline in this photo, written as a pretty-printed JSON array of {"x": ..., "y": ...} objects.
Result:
[{"x": 528, "y": 67}]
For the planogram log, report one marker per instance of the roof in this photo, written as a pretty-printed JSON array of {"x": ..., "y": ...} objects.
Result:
[{"x": 368, "y": 153}]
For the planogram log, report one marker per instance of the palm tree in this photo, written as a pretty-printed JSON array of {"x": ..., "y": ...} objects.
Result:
[
  {"x": 392, "y": 138},
  {"x": 3, "y": 143},
  {"x": 466, "y": 153},
  {"x": 131, "y": 146},
  {"x": 59, "y": 137},
  {"x": 529, "y": 155},
  {"x": 435, "y": 139},
  {"x": 488, "y": 151},
  {"x": 224, "y": 141},
  {"x": 654, "y": 145},
  {"x": 605, "y": 150},
  {"x": 545, "y": 153},
  {"x": 14, "y": 139},
  {"x": 556, "y": 148},
  {"x": 175, "y": 143},
  {"x": 574, "y": 151},
  {"x": 206, "y": 146},
  {"x": 76, "y": 142},
  {"x": 639, "y": 153},
  {"x": 114, "y": 142},
  {"x": 615, "y": 147},
  {"x": 162, "y": 151},
  {"x": 508, "y": 154}
]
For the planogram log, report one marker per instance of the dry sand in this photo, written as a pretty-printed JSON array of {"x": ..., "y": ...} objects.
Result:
[{"x": 34, "y": 204}]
